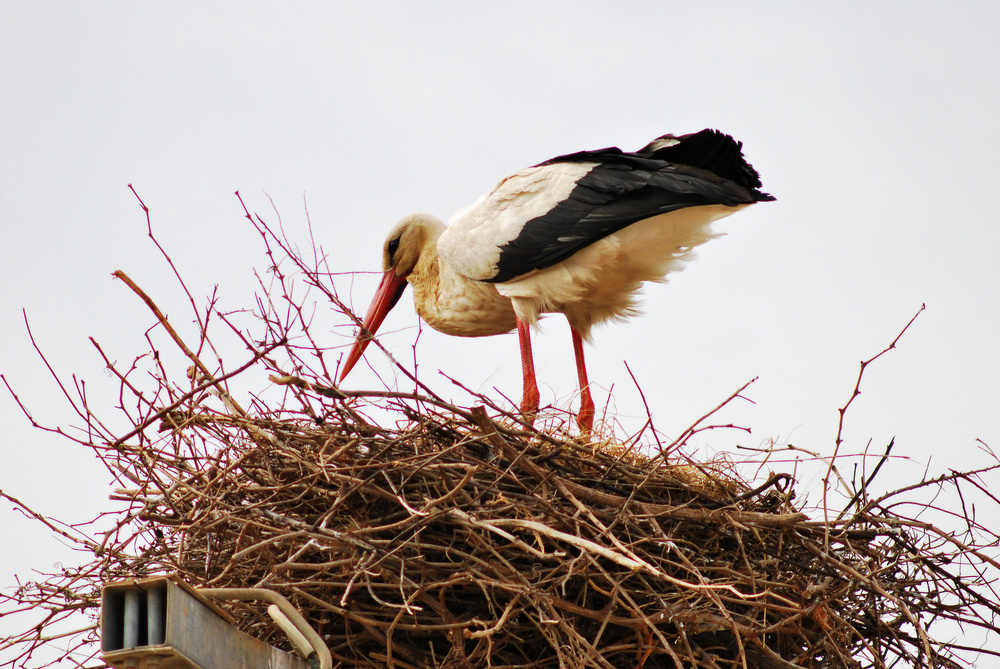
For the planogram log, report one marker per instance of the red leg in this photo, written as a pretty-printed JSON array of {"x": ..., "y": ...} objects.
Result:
[
  {"x": 529, "y": 401},
  {"x": 585, "y": 419}
]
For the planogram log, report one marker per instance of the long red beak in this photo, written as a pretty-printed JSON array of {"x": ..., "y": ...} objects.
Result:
[{"x": 386, "y": 297}]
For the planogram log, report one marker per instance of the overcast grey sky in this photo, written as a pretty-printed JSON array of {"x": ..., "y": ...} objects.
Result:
[{"x": 873, "y": 123}]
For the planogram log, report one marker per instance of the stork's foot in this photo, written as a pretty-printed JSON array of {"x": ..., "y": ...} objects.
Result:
[
  {"x": 585, "y": 418},
  {"x": 529, "y": 405}
]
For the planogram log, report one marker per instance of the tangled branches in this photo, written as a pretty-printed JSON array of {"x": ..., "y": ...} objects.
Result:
[{"x": 415, "y": 533}]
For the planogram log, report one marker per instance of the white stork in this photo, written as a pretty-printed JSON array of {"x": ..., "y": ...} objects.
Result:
[{"x": 576, "y": 235}]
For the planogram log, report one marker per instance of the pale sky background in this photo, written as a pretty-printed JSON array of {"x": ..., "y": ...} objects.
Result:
[{"x": 875, "y": 125}]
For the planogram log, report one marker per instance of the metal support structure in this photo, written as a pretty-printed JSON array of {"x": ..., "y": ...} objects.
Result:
[
  {"x": 163, "y": 623},
  {"x": 291, "y": 616}
]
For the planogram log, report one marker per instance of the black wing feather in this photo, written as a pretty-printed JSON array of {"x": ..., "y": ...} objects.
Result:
[{"x": 703, "y": 168}]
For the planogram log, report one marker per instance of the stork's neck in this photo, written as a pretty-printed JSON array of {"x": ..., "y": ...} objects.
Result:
[{"x": 453, "y": 304}]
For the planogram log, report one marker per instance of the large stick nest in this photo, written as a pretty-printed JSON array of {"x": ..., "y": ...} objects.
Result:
[
  {"x": 446, "y": 543},
  {"x": 414, "y": 533}
]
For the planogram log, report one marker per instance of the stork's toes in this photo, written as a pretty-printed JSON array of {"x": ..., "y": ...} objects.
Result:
[
  {"x": 529, "y": 407},
  {"x": 585, "y": 419}
]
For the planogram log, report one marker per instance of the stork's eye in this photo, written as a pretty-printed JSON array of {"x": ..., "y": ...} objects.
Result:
[{"x": 393, "y": 247}]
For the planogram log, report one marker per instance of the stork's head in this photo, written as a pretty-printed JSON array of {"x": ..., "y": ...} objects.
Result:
[
  {"x": 402, "y": 250},
  {"x": 404, "y": 244}
]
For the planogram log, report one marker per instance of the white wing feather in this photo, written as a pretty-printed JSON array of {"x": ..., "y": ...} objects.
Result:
[{"x": 472, "y": 243}]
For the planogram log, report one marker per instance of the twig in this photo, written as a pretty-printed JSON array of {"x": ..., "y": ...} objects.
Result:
[{"x": 843, "y": 412}]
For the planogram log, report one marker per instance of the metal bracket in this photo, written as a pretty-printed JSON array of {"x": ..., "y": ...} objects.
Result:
[{"x": 163, "y": 623}]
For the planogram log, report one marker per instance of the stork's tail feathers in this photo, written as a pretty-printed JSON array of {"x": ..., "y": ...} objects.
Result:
[{"x": 710, "y": 150}]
